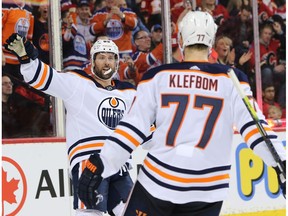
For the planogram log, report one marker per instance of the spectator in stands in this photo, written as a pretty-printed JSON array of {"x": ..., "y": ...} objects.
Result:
[
  {"x": 22, "y": 113},
  {"x": 9, "y": 110},
  {"x": 240, "y": 30},
  {"x": 281, "y": 8},
  {"x": 82, "y": 20},
  {"x": 127, "y": 70},
  {"x": 75, "y": 49},
  {"x": 233, "y": 7},
  {"x": 268, "y": 93},
  {"x": 179, "y": 10},
  {"x": 144, "y": 58},
  {"x": 177, "y": 55},
  {"x": 279, "y": 29},
  {"x": 226, "y": 53},
  {"x": 68, "y": 5},
  {"x": 16, "y": 18},
  {"x": 151, "y": 10},
  {"x": 218, "y": 11},
  {"x": 122, "y": 3},
  {"x": 223, "y": 46},
  {"x": 117, "y": 23},
  {"x": 98, "y": 5},
  {"x": 268, "y": 55},
  {"x": 156, "y": 36},
  {"x": 40, "y": 35},
  {"x": 140, "y": 24},
  {"x": 274, "y": 112},
  {"x": 279, "y": 33},
  {"x": 264, "y": 12}
]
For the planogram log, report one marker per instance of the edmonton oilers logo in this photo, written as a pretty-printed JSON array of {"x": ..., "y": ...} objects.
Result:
[
  {"x": 111, "y": 111},
  {"x": 114, "y": 29}
]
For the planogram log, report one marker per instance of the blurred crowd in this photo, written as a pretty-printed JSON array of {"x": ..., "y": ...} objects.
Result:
[{"x": 136, "y": 28}]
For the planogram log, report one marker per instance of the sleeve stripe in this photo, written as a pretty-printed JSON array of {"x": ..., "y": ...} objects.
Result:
[
  {"x": 261, "y": 139},
  {"x": 253, "y": 132},
  {"x": 44, "y": 75},
  {"x": 49, "y": 80},
  {"x": 83, "y": 154},
  {"x": 123, "y": 145},
  {"x": 37, "y": 73},
  {"x": 134, "y": 129},
  {"x": 95, "y": 138},
  {"x": 78, "y": 148},
  {"x": 250, "y": 124},
  {"x": 127, "y": 136},
  {"x": 185, "y": 180}
]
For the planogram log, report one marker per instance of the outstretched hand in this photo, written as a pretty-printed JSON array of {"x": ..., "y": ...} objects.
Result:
[
  {"x": 21, "y": 47},
  {"x": 90, "y": 181}
]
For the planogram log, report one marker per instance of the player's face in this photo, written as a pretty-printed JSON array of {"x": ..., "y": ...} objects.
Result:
[{"x": 105, "y": 65}]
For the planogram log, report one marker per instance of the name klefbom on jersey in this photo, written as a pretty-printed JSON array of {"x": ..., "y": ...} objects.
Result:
[{"x": 192, "y": 81}]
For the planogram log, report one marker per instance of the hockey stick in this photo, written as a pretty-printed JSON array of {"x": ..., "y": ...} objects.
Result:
[{"x": 261, "y": 129}]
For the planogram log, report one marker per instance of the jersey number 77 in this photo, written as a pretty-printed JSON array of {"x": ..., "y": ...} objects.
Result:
[{"x": 182, "y": 102}]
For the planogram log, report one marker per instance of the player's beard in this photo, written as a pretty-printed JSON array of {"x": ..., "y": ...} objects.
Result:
[{"x": 103, "y": 74}]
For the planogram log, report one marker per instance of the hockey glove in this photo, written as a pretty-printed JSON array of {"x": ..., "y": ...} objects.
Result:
[
  {"x": 21, "y": 47},
  {"x": 90, "y": 181},
  {"x": 281, "y": 178}
]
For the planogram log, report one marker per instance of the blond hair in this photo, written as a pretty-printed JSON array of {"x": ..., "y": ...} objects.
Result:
[{"x": 274, "y": 112}]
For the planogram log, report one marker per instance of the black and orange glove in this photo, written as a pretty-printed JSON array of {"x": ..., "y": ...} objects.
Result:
[
  {"x": 21, "y": 47},
  {"x": 90, "y": 181}
]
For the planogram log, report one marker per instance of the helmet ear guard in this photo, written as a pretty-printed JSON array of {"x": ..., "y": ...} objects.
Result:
[
  {"x": 197, "y": 27},
  {"x": 104, "y": 46}
]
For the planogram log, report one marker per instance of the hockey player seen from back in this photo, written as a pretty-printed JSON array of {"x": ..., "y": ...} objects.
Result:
[
  {"x": 194, "y": 105},
  {"x": 94, "y": 106}
]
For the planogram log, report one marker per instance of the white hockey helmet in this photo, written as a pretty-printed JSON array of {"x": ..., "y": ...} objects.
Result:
[
  {"x": 104, "y": 46},
  {"x": 197, "y": 27}
]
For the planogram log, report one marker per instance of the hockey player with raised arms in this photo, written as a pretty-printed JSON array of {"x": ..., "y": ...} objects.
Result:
[
  {"x": 94, "y": 106},
  {"x": 186, "y": 171}
]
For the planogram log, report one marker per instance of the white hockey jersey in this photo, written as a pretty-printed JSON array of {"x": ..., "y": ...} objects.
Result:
[
  {"x": 92, "y": 111},
  {"x": 194, "y": 107}
]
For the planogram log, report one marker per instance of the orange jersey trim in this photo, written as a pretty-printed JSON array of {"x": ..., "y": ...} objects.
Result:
[
  {"x": 253, "y": 132},
  {"x": 128, "y": 136},
  {"x": 44, "y": 75},
  {"x": 185, "y": 180},
  {"x": 92, "y": 145}
]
